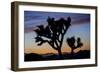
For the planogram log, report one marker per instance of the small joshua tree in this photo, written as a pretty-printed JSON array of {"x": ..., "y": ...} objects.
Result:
[
  {"x": 53, "y": 33},
  {"x": 71, "y": 42}
]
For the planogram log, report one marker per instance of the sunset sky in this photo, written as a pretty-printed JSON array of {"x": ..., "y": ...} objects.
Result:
[{"x": 80, "y": 27}]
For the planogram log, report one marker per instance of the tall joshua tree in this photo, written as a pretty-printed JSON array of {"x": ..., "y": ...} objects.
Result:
[
  {"x": 53, "y": 33},
  {"x": 71, "y": 42}
]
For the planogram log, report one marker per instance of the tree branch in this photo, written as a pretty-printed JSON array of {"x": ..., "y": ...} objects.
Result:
[{"x": 52, "y": 45}]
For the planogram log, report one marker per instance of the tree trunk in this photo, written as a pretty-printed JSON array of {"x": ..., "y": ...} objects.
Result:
[
  {"x": 72, "y": 51},
  {"x": 60, "y": 54}
]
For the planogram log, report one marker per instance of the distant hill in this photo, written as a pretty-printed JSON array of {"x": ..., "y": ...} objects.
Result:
[
  {"x": 32, "y": 57},
  {"x": 82, "y": 54}
]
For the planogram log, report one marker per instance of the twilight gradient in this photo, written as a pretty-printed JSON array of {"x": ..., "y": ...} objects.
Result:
[{"x": 80, "y": 27}]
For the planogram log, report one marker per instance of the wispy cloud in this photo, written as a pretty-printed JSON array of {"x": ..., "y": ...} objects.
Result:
[{"x": 34, "y": 18}]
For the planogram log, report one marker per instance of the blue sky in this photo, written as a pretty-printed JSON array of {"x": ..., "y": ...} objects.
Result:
[{"x": 80, "y": 27}]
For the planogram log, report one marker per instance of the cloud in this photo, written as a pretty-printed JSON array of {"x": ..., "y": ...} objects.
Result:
[
  {"x": 81, "y": 20},
  {"x": 34, "y": 18}
]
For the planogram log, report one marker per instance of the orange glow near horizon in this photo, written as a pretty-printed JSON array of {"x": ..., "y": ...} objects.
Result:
[{"x": 46, "y": 48}]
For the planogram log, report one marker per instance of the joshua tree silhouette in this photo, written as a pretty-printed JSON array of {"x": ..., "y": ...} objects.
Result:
[
  {"x": 53, "y": 33},
  {"x": 71, "y": 42}
]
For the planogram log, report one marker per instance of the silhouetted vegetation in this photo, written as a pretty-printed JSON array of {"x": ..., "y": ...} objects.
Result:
[
  {"x": 71, "y": 42},
  {"x": 53, "y": 33},
  {"x": 51, "y": 56}
]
